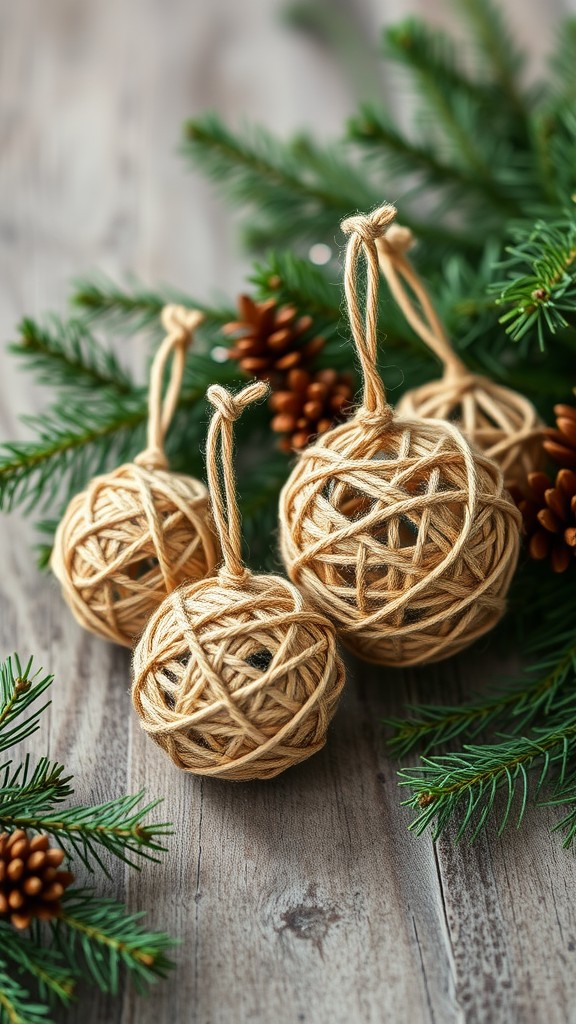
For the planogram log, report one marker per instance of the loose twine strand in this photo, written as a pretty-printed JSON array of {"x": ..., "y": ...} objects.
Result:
[
  {"x": 179, "y": 324},
  {"x": 224, "y": 499},
  {"x": 364, "y": 231},
  {"x": 401, "y": 275}
]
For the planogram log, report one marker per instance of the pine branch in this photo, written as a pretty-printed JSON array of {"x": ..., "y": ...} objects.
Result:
[
  {"x": 135, "y": 308},
  {"x": 469, "y": 781},
  {"x": 116, "y": 826},
  {"x": 65, "y": 354},
  {"x": 458, "y": 104},
  {"x": 376, "y": 132},
  {"x": 16, "y": 1005},
  {"x": 97, "y": 936},
  {"x": 20, "y": 687},
  {"x": 31, "y": 794},
  {"x": 537, "y": 692},
  {"x": 565, "y": 795},
  {"x": 293, "y": 280},
  {"x": 85, "y": 435},
  {"x": 287, "y": 197},
  {"x": 74, "y": 442},
  {"x": 540, "y": 298},
  {"x": 45, "y": 965},
  {"x": 495, "y": 43}
]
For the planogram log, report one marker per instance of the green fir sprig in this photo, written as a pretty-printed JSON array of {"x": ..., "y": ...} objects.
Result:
[
  {"x": 550, "y": 670},
  {"x": 465, "y": 785},
  {"x": 91, "y": 937}
]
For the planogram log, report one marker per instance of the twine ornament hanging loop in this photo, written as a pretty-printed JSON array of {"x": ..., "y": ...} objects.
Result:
[
  {"x": 179, "y": 324},
  {"x": 136, "y": 533},
  {"x": 224, "y": 501},
  {"x": 401, "y": 276},
  {"x": 363, "y": 232},
  {"x": 502, "y": 422},
  {"x": 235, "y": 677},
  {"x": 396, "y": 528}
]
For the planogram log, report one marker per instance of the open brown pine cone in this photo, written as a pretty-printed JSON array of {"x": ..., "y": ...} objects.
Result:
[
  {"x": 549, "y": 517},
  {"x": 31, "y": 882},
  {"x": 268, "y": 338},
  {"x": 309, "y": 405},
  {"x": 560, "y": 442}
]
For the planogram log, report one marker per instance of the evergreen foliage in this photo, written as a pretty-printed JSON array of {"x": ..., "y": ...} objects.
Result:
[
  {"x": 485, "y": 175},
  {"x": 92, "y": 937}
]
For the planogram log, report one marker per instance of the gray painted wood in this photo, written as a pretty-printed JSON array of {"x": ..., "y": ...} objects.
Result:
[{"x": 304, "y": 899}]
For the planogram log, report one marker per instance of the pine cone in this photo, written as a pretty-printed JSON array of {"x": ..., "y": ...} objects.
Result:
[
  {"x": 268, "y": 338},
  {"x": 549, "y": 516},
  {"x": 30, "y": 883},
  {"x": 560, "y": 443},
  {"x": 309, "y": 405}
]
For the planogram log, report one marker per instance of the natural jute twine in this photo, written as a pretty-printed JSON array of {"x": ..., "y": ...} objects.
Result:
[
  {"x": 501, "y": 422},
  {"x": 138, "y": 532},
  {"x": 235, "y": 676},
  {"x": 397, "y": 529}
]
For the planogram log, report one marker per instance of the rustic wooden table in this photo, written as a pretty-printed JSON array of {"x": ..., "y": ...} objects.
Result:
[{"x": 304, "y": 899}]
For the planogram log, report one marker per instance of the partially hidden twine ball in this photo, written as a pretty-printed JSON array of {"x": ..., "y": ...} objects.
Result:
[
  {"x": 402, "y": 534},
  {"x": 238, "y": 682},
  {"x": 131, "y": 537},
  {"x": 499, "y": 421}
]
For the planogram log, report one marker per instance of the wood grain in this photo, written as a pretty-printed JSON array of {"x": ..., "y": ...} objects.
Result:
[{"x": 305, "y": 899}]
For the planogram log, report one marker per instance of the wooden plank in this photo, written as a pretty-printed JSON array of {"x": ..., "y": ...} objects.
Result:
[{"x": 304, "y": 899}]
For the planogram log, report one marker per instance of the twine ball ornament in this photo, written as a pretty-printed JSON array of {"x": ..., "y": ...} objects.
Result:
[
  {"x": 138, "y": 532},
  {"x": 236, "y": 676},
  {"x": 499, "y": 421},
  {"x": 397, "y": 528}
]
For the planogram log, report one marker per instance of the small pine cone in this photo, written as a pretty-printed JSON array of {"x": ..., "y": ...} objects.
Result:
[
  {"x": 31, "y": 884},
  {"x": 268, "y": 339},
  {"x": 549, "y": 517},
  {"x": 309, "y": 405},
  {"x": 560, "y": 443}
]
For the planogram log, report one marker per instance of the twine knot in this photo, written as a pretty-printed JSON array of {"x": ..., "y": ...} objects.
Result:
[
  {"x": 152, "y": 458},
  {"x": 230, "y": 577},
  {"x": 180, "y": 321},
  {"x": 377, "y": 418},
  {"x": 398, "y": 238},
  {"x": 369, "y": 226},
  {"x": 230, "y": 406}
]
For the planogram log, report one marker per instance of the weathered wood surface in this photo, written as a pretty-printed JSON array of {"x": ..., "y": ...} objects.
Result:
[{"x": 304, "y": 899}]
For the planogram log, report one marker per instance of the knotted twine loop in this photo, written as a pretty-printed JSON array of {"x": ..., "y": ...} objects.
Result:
[
  {"x": 234, "y": 676},
  {"x": 502, "y": 422},
  {"x": 401, "y": 275},
  {"x": 397, "y": 529},
  {"x": 136, "y": 533},
  {"x": 364, "y": 230},
  {"x": 224, "y": 500},
  {"x": 179, "y": 324}
]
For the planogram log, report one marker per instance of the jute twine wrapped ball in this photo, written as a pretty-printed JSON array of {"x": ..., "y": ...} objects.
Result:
[
  {"x": 235, "y": 676},
  {"x": 138, "y": 532},
  {"x": 499, "y": 421},
  {"x": 397, "y": 529}
]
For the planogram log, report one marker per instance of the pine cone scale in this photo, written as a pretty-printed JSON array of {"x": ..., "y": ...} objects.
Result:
[
  {"x": 268, "y": 339},
  {"x": 549, "y": 518},
  {"x": 31, "y": 884},
  {"x": 560, "y": 442}
]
